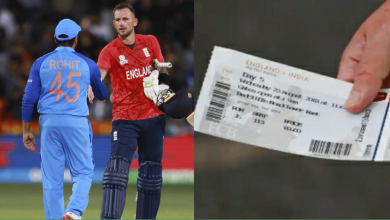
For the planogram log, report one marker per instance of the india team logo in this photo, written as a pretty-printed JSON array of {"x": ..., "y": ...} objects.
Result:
[{"x": 122, "y": 59}]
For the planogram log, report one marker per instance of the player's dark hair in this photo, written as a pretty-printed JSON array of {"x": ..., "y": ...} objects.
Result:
[
  {"x": 65, "y": 43},
  {"x": 124, "y": 5}
]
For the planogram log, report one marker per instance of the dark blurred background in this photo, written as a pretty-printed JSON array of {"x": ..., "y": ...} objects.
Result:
[{"x": 234, "y": 180}]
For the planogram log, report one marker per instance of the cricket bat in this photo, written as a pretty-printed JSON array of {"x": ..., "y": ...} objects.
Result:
[{"x": 161, "y": 64}]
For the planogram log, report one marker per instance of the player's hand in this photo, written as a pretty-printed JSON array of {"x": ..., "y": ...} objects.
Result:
[
  {"x": 28, "y": 140},
  {"x": 366, "y": 60},
  {"x": 151, "y": 85},
  {"x": 91, "y": 96}
]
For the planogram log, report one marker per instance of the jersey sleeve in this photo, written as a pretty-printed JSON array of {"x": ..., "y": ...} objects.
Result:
[
  {"x": 31, "y": 92},
  {"x": 98, "y": 87},
  {"x": 157, "y": 49},
  {"x": 104, "y": 60}
]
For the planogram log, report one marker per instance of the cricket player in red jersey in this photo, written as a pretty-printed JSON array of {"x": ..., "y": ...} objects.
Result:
[{"x": 137, "y": 121}]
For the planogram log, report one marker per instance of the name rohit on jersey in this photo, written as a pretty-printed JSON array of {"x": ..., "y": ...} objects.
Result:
[
  {"x": 59, "y": 64},
  {"x": 136, "y": 73}
]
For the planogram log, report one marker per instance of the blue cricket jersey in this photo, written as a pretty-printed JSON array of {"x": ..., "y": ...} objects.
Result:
[{"x": 59, "y": 80}]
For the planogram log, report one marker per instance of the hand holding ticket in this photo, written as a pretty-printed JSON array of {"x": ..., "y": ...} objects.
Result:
[
  {"x": 366, "y": 60},
  {"x": 263, "y": 103}
]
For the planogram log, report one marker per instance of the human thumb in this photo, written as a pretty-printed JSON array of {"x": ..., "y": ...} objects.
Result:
[
  {"x": 365, "y": 89},
  {"x": 372, "y": 69}
]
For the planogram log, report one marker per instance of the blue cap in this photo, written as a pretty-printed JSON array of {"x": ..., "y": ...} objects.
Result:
[{"x": 68, "y": 28}]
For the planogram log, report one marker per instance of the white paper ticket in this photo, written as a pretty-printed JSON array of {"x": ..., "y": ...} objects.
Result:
[{"x": 267, "y": 104}]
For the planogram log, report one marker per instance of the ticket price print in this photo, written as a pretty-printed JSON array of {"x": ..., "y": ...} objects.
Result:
[{"x": 271, "y": 105}]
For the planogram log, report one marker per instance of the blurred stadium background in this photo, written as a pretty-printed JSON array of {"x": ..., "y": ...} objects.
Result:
[
  {"x": 26, "y": 33},
  {"x": 235, "y": 180}
]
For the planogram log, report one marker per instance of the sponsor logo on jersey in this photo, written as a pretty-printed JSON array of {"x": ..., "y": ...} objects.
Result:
[
  {"x": 136, "y": 73},
  {"x": 29, "y": 81},
  {"x": 146, "y": 52},
  {"x": 115, "y": 134},
  {"x": 122, "y": 59}
]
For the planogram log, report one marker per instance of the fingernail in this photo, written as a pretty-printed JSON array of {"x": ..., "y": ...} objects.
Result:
[{"x": 353, "y": 99}]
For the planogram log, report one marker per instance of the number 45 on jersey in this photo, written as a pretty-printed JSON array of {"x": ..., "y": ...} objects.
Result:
[{"x": 70, "y": 84}]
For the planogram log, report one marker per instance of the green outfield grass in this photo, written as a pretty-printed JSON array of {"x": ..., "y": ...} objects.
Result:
[{"x": 25, "y": 201}]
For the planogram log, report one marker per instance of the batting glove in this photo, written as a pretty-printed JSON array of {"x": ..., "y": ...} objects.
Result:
[{"x": 151, "y": 85}]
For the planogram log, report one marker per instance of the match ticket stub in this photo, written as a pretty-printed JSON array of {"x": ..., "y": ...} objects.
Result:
[{"x": 267, "y": 104}]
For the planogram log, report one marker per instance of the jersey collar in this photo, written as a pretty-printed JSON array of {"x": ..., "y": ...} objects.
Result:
[
  {"x": 124, "y": 45},
  {"x": 64, "y": 49}
]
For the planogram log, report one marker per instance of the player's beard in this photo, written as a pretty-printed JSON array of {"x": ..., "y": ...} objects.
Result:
[{"x": 126, "y": 34}]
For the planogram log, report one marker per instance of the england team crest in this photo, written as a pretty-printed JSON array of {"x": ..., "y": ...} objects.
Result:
[{"x": 122, "y": 59}]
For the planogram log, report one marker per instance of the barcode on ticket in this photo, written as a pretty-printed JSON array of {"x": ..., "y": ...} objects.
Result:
[
  {"x": 367, "y": 152},
  {"x": 329, "y": 148},
  {"x": 218, "y": 102}
]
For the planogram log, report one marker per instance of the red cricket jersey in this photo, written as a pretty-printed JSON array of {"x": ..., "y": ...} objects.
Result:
[{"x": 127, "y": 68}]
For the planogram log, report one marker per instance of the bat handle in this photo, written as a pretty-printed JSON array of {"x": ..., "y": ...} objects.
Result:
[{"x": 168, "y": 65}]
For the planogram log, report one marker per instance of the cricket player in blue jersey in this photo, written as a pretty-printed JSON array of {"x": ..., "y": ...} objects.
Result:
[{"x": 59, "y": 81}]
